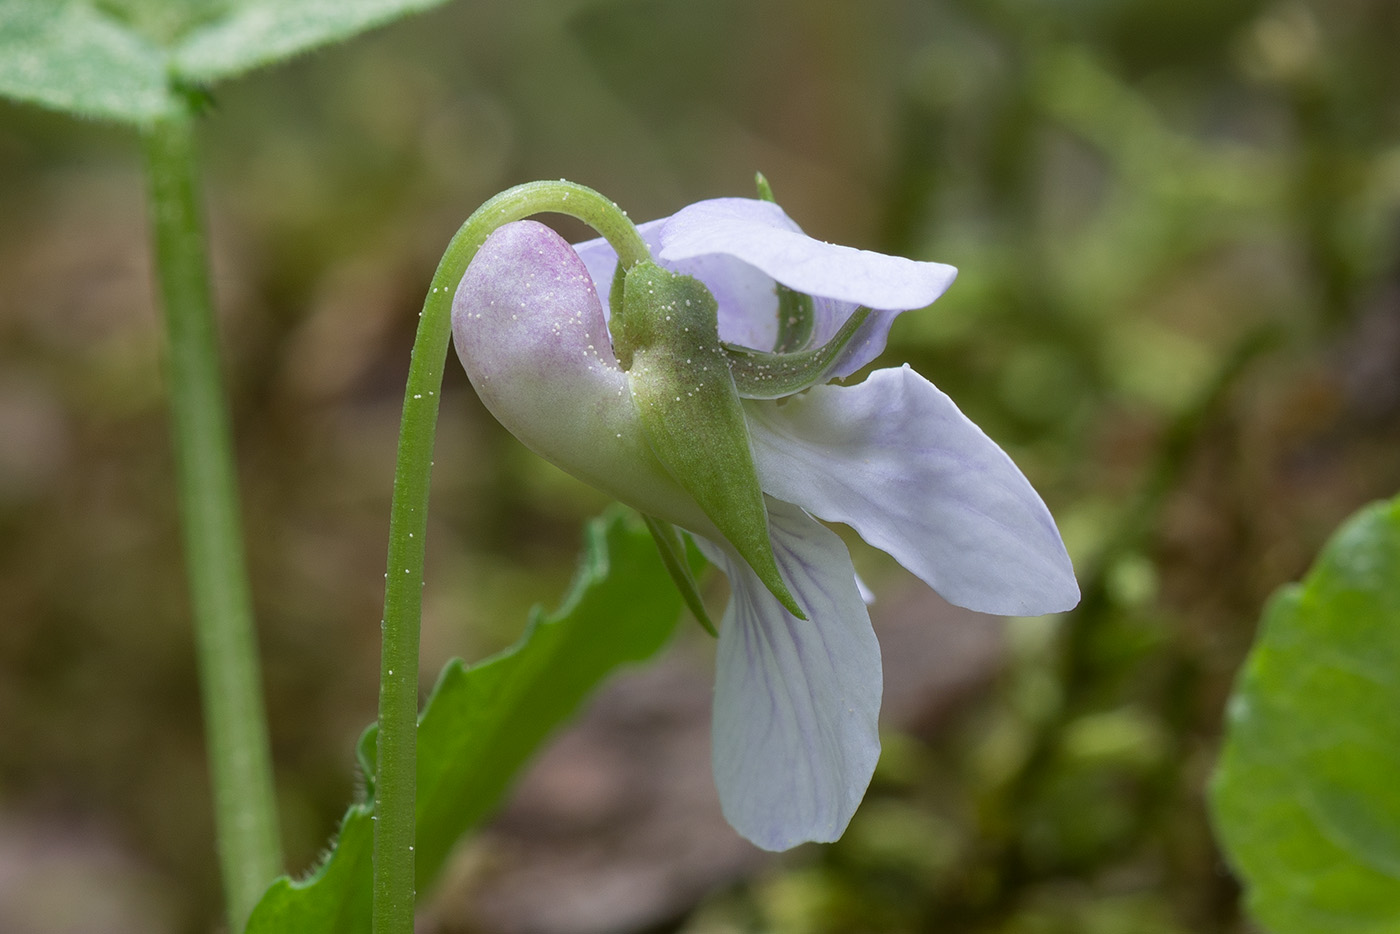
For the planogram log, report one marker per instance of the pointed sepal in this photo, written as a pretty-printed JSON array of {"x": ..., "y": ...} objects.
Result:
[
  {"x": 673, "y": 554},
  {"x": 796, "y": 313},
  {"x": 667, "y": 339},
  {"x": 759, "y": 375}
]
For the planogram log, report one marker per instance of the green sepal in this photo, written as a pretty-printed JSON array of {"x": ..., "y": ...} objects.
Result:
[
  {"x": 796, "y": 316},
  {"x": 759, "y": 375},
  {"x": 667, "y": 337},
  {"x": 673, "y": 554}
]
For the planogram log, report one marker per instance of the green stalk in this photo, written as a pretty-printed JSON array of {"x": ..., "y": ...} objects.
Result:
[
  {"x": 395, "y": 785},
  {"x": 245, "y": 811}
]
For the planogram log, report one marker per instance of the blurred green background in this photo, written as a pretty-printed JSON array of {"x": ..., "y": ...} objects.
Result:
[{"x": 1178, "y": 309}]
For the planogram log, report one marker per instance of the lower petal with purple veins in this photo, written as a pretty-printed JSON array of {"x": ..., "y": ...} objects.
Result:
[{"x": 796, "y": 701}]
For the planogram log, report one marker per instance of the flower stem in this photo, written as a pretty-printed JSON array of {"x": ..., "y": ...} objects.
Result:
[
  {"x": 395, "y": 785},
  {"x": 240, "y": 766}
]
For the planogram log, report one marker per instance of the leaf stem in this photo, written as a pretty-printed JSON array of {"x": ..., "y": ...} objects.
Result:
[
  {"x": 394, "y": 890},
  {"x": 240, "y": 763}
]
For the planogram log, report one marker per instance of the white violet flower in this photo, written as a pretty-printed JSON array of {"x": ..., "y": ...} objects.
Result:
[{"x": 677, "y": 433}]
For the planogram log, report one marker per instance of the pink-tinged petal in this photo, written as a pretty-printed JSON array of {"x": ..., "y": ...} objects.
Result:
[
  {"x": 895, "y": 459},
  {"x": 529, "y": 331},
  {"x": 760, "y": 234},
  {"x": 796, "y": 701}
]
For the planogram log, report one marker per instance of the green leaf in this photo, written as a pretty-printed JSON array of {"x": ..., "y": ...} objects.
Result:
[
  {"x": 334, "y": 898},
  {"x": 483, "y": 722},
  {"x": 127, "y": 60},
  {"x": 70, "y": 57},
  {"x": 668, "y": 342},
  {"x": 1306, "y": 798},
  {"x": 262, "y": 32}
]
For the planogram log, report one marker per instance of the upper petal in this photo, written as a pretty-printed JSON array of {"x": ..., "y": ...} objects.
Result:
[
  {"x": 529, "y": 331},
  {"x": 895, "y": 459},
  {"x": 797, "y": 702},
  {"x": 697, "y": 242},
  {"x": 760, "y": 234}
]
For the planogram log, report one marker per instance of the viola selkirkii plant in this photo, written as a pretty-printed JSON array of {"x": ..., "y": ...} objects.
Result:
[
  {"x": 698, "y": 384},
  {"x": 699, "y": 392}
]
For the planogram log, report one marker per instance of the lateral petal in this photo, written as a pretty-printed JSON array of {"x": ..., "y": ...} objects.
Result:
[
  {"x": 796, "y": 701},
  {"x": 895, "y": 459}
]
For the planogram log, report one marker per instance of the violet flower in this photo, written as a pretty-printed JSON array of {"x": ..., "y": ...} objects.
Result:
[{"x": 795, "y": 736}]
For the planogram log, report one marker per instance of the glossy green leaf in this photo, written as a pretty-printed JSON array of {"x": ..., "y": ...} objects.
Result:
[
  {"x": 483, "y": 722},
  {"x": 70, "y": 57},
  {"x": 1306, "y": 798},
  {"x": 261, "y": 32}
]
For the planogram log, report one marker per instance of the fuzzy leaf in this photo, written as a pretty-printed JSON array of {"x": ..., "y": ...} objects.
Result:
[
  {"x": 335, "y": 899},
  {"x": 1305, "y": 797},
  {"x": 127, "y": 60},
  {"x": 70, "y": 57},
  {"x": 483, "y": 722},
  {"x": 261, "y": 32}
]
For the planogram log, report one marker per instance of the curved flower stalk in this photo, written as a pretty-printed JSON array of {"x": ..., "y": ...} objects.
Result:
[{"x": 797, "y": 695}]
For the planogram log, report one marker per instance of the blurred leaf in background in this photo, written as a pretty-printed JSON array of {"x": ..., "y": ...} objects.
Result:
[{"x": 1305, "y": 794}]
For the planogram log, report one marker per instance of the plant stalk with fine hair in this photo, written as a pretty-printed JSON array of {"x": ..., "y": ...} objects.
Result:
[
  {"x": 235, "y": 723},
  {"x": 395, "y": 784}
]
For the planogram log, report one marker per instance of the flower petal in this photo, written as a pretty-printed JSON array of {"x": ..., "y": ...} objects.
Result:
[
  {"x": 867, "y": 344},
  {"x": 529, "y": 331},
  {"x": 796, "y": 702},
  {"x": 760, "y": 234},
  {"x": 895, "y": 459},
  {"x": 744, "y": 287}
]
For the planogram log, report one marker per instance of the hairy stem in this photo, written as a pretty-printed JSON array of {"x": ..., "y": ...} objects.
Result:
[
  {"x": 395, "y": 785},
  {"x": 240, "y": 764}
]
